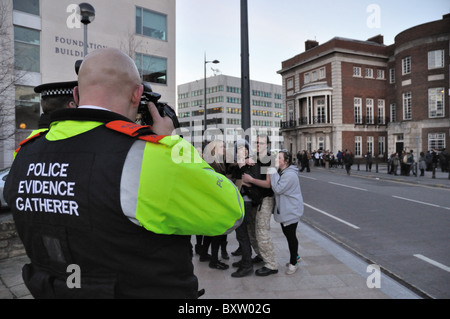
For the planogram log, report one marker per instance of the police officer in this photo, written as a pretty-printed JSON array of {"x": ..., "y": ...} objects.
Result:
[
  {"x": 105, "y": 208},
  {"x": 55, "y": 96}
]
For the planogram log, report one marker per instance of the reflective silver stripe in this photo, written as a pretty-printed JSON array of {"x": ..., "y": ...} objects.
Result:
[
  {"x": 129, "y": 182},
  {"x": 241, "y": 219}
]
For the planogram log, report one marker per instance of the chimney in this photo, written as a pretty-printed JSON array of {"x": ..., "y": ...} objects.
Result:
[
  {"x": 309, "y": 44},
  {"x": 377, "y": 39}
]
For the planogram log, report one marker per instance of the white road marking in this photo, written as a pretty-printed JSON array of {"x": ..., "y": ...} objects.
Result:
[
  {"x": 329, "y": 215},
  {"x": 433, "y": 262},
  {"x": 420, "y": 202},
  {"x": 314, "y": 179},
  {"x": 361, "y": 189}
]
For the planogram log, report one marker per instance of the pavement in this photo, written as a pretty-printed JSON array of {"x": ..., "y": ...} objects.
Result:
[{"x": 327, "y": 270}]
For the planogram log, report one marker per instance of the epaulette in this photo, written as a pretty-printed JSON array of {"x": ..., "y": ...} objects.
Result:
[
  {"x": 143, "y": 132},
  {"x": 30, "y": 138}
]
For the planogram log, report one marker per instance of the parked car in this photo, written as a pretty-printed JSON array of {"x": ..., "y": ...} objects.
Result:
[{"x": 3, "y": 175}]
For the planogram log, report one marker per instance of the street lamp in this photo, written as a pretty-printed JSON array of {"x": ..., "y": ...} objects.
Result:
[
  {"x": 87, "y": 13},
  {"x": 206, "y": 62}
]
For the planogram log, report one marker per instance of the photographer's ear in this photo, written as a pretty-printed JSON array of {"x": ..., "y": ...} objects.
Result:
[
  {"x": 76, "y": 95},
  {"x": 137, "y": 94}
]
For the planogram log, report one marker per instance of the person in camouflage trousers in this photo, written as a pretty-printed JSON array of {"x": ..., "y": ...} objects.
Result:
[{"x": 261, "y": 238}]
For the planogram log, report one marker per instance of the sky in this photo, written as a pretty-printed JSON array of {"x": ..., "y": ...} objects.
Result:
[{"x": 278, "y": 30}]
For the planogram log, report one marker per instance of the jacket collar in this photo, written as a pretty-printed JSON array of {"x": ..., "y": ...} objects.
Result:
[{"x": 87, "y": 115}]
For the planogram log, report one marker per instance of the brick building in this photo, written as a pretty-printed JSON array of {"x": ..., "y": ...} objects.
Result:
[{"x": 366, "y": 96}]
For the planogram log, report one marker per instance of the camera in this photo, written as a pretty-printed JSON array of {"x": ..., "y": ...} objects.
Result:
[
  {"x": 163, "y": 108},
  {"x": 148, "y": 96}
]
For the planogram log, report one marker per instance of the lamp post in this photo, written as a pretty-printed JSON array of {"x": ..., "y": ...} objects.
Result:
[
  {"x": 206, "y": 62},
  {"x": 245, "y": 68},
  {"x": 87, "y": 13}
]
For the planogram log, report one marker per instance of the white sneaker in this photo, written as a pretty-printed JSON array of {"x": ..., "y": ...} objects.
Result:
[
  {"x": 299, "y": 259},
  {"x": 291, "y": 269}
]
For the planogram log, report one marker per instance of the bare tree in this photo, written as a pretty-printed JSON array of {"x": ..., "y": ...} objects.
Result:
[
  {"x": 7, "y": 78},
  {"x": 7, "y": 82}
]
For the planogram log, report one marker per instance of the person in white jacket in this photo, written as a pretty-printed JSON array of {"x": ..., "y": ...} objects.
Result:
[{"x": 288, "y": 204}]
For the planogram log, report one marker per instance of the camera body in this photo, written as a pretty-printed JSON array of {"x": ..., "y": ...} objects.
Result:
[{"x": 164, "y": 110}]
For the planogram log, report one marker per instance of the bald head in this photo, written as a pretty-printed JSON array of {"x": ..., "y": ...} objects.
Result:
[{"x": 109, "y": 78}]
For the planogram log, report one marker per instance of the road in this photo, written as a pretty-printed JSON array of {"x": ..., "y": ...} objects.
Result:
[{"x": 403, "y": 228}]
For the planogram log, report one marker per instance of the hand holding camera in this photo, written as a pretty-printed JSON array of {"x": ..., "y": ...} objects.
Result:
[{"x": 149, "y": 117}]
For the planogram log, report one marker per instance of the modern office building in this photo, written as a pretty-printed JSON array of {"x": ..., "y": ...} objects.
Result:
[
  {"x": 223, "y": 101},
  {"x": 365, "y": 96},
  {"x": 42, "y": 39}
]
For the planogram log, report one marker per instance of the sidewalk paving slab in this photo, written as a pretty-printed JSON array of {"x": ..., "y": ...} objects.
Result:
[{"x": 326, "y": 271}]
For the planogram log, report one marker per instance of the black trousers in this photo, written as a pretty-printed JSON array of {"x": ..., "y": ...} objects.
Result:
[
  {"x": 291, "y": 235},
  {"x": 244, "y": 240}
]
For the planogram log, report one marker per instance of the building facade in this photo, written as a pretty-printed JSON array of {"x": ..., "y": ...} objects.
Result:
[
  {"x": 223, "y": 97},
  {"x": 44, "y": 38},
  {"x": 365, "y": 96}
]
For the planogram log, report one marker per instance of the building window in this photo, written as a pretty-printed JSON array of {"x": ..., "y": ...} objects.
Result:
[
  {"x": 357, "y": 71},
  {"x": 369, "y": 111},
  {"x": 357, "y": 103},
  {"x": 233, "y": 110},
  {"x": 151, "y": 24},
  {"x": 290, "y": 107},
  {"x": 184, "y": 114},
  {"x": 436, "y": 141},
  {"x": 306, "y": 78},
  {"x": 152, "y": 69},
  {"x": 232, "y": 89},
  {"x": 381, "y": 112},
  {"x": 233, "y": 100},
  {"x": 27, "y": 107},
  {"x": 380, "y": 75},
  {"x": 27, "y": 49},
  {"x": 369, "y": 73},
  {"x": 309, "y": 144},
  {"x": 406, "y": 65},
  {"x": 436, "y": 59},
  {"x": 358, "y": 140},
  {"x": 320, "y": 110},
  {"x": 381, "y": 145},
  {"x": 436, "y": 102},
  {"x": 322, "y": 74},
  {"x": 290, "y": 84},
  {"x": 393, "y": 112},
  {"x": 370, "y": 144},
  {"x": 392, "y": 75},
  {"x": 407, "y": 106},
  {"x": 28, "y": 6}
]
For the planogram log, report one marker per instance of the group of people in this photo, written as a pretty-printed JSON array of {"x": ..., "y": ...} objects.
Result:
[
  {"x": 403, "y": 163},
  {"x": 119, "y": 207},
  {"x": 426, "y": 162},
  {"x": 269, "y": 185},
  {"x": 322, "y": 158}
]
